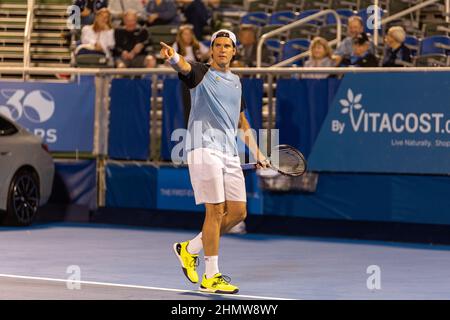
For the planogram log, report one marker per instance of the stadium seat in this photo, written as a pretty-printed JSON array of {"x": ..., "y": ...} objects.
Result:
[
  {"x": 164, "y": 33},
  {"x": 412, "y": 43},
  {"x": 434, "y": 51},
  {"x": 282, "y": 17},
  {"x": 328, "y": 30},
  {"x": 294, "y": 47},
  {"x": 255, "y": 18},
  {"x": 275, "y": 47}
]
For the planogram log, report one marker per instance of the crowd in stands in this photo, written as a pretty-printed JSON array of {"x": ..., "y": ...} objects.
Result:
[{"x": 124, "y": 42}]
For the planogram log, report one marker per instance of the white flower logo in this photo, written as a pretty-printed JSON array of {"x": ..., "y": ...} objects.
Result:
[{"x": 351, "y": 105}]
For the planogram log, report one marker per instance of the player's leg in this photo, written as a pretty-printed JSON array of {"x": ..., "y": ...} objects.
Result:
[
  {"x": 236, "y": 212},
  {"x": 213, "y": 280},
  {"x": 206, "y": 175}
]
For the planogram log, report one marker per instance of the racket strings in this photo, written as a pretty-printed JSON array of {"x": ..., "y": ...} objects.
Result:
[{"x": 290, "y": 162}]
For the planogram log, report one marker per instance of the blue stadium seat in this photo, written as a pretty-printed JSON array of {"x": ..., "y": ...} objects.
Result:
[
  {"x": 435, "y": 46},
  {"x": 282, "y": 17},
  {"x": 275, "y": 47},
  {"x": 294, "y": 47},
  {"x": 343, "y": 13},
  {"x": 434, "y": 52},
  {"x": 412, "y": 43},
  {"x": 255, "y": 18},
  {"x": 307, "y": 13}
]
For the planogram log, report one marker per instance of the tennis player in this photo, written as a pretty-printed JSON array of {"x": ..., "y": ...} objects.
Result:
[{"x": 214, "y": 166}]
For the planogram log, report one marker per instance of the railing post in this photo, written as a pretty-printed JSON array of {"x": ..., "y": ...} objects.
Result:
[
  {"x": 270, "y": 124},
  {"x": 447, "y": 11},
  {"x": 153, "y": 119},
  {"x": 27, "y": 37}
]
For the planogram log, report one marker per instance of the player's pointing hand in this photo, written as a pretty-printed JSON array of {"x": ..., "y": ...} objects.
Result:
[{"x": 167, "y": 51}]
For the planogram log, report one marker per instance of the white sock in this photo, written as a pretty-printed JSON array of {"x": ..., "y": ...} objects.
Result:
[
  {"x": 212, "y": 266},
  {"x": 195, "y": 245}
]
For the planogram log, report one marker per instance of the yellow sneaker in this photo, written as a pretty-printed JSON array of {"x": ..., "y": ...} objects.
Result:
[
  {"x": 189, "y": 262},
  {"x": 218, "y": 284}
]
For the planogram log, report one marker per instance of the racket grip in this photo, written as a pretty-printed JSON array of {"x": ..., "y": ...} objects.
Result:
[{"x": 248, "y": 166}]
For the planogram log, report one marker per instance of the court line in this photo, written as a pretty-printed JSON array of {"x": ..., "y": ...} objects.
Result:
[{"x": 107, "y": 284}]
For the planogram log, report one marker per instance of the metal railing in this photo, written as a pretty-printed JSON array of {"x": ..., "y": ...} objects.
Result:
[
  {"x": 27, "y": 34},
  {"x": 296, "y": 24}
]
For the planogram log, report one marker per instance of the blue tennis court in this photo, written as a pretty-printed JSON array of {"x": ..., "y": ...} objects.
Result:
[{"x": 138, "y": 263}]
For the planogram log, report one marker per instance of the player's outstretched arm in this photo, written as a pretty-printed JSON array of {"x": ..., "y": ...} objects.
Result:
[{"x": 175, "y": 60}]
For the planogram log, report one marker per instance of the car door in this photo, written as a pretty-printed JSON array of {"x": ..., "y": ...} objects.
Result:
[{"x": 7, "y": 137}]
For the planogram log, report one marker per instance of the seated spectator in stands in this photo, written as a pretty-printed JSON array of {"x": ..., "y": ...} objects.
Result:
[
  {"x": 89, "y": 8},
  {"x": 189, "y": 47},
  {"x": 98, "y": 38},
  {"x": 119, "y": 7},
  {"x": 131, "y": 41},
  {"x": 396, "y": 51},
  {"x": 246, "y": 50},
  {"x": 321, "y": 54},
  {"x": 345, "y": 49},
  {"x": 197, "y": 14},
  {"x": 361, "y": 56},
  {"x": 161, "y": 12}
]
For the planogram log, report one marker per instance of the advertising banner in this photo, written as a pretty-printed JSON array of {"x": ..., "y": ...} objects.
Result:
[{"x": 61, "y": 113}]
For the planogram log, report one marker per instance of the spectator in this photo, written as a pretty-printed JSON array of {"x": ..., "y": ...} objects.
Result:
[
  {"x": 98, "y": 38},
  {"x": 345, "y": 49},
  {"x": 396, "y": 51},
  {"x": 246, "y": 51},
  {"x": 197, "y": 14},
  {"x": 161, "y": 12},
  {"x": 130, "y": 43},
  {"x": 119, "y": 7},
  {"x": 89, "y": 8},
  {"x": 361, "y": 56},
  {"x": 321, "y": 54},
  {"x": 189, "y": 47}
]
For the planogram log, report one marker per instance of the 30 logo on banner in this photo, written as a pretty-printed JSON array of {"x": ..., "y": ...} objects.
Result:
[{"x": 36, "y": 106}]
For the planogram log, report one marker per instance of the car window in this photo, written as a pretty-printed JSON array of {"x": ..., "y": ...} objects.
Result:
[{"x": 6, "y": 127}]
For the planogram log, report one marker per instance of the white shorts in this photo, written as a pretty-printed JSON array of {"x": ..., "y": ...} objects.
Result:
[{"x": 216, "y": 177}]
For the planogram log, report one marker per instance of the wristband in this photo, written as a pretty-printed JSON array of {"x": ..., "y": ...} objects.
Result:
[{"x": 175, "y": 59}]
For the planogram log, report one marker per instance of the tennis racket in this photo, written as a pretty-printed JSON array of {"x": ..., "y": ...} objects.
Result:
[{"x": 286, "y": 160}]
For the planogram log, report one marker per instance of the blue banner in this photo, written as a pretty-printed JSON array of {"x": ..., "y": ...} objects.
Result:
[
  {"x": 75, "y": 182},
  {"x": 174, "y": 191},
  {"x": 387, "y": 123},
  {"x": 131, "y": 186},
  {"x": 302, "y": 106},
  {"x": 173, "y": 115},
  {"x": 129, "y": 123},
  {"x": 61, "y": 113}
]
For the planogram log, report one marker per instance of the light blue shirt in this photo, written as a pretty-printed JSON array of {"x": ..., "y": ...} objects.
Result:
[{"x": 216, "y": 103}]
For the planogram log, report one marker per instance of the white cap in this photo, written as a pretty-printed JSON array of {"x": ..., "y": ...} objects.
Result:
[{"x": 224, "y": 33}]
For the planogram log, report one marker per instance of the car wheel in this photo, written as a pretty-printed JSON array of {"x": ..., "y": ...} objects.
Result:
[{"x": 23, "y": 199}]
